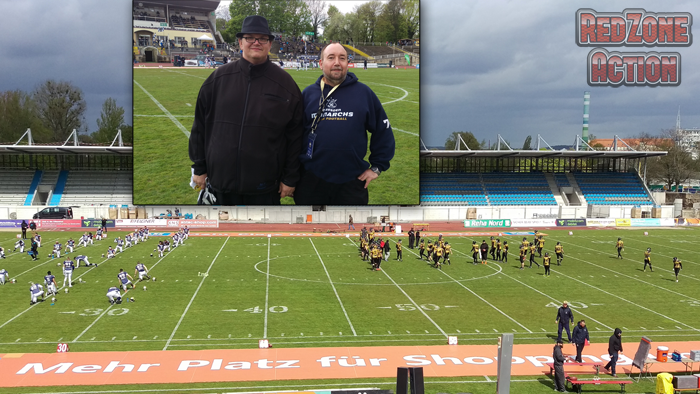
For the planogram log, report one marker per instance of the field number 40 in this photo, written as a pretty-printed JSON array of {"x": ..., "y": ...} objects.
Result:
[{"x": 273, "y": 309}]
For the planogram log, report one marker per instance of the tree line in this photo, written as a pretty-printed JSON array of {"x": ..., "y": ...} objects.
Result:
[
  {"x": 374, "y": 21},
  {"x": 52, "y": 111}
]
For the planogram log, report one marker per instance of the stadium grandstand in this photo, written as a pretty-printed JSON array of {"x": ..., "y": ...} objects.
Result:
[
  {"x": 186, "y": 30},
  {"x": 575, "y": 177},
  {"x": 65, "y": 174}
]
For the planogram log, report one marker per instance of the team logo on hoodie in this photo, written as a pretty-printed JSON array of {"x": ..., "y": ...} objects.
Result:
[{"x": 332, "y": 103}]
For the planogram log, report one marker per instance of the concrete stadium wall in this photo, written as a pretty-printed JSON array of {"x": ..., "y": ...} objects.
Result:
[{"x": 291, "y": 214}]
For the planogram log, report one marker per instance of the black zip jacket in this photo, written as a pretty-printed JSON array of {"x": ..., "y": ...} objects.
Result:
[
  {"x": 247, "y": 128},
  {"x": 615, "y": 342}
]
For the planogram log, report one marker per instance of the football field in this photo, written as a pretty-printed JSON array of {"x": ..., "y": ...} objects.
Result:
[
  {"x": 227, "y": 292},
  {"x": 164, "y": 102}
]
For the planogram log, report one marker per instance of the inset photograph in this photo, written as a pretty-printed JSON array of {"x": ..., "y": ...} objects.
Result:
[{"x": 306, "y": 103}]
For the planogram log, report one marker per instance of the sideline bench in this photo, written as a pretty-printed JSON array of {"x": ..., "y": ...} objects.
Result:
[
  {"x": 596, "y": 366},
  {"x": 577, "y": 384}
]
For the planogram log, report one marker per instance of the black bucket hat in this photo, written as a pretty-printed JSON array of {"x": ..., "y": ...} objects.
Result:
[{"x": 255, "y": 24}]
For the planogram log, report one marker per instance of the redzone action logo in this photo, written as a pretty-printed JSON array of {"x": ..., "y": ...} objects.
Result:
[{"x": 633, "y": 27}]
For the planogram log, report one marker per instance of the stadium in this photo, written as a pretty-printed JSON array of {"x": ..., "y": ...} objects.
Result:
[{"x": 279, "y": 299}]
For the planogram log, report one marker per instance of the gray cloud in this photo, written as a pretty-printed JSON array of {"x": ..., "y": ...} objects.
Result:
[
  {"x": 85, "y": 42},
  {"x": 513, "y": 68}
]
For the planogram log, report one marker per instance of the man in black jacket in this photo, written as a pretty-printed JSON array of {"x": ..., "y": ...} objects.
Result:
[
  {"x": 579, "y": 338},
  {"x": 564, "y": 318},
  {"x": 559, "y": 377},
  {"x": 246, "y": 136},
  {"x": 614, "y": 348}
]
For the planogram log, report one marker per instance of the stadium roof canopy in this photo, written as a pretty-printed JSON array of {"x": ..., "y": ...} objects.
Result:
[
  {"x": 67, "y": 148},
  {"x": 580, "y": 149},
  {"x": 210, "y": 5}
]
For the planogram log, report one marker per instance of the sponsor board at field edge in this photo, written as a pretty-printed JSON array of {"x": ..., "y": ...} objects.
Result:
[
  {"x": 141, "y": 222},
  {"x": 600, "y": 222},
  {"x": 571, "y": 222},
  {"x": 487, "y": 223},
  {"x": 62, "y": 223},
  {"x": 11, "y": 223},
  {"x": 193, "y": 366},
  {"x": 96, "y": 223},
  {"x": 532, "y": 222}
]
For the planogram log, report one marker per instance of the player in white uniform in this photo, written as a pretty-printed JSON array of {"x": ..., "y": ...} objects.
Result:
[
  {"x": 68, "y": 268},
  {"x": 114, "y": 295},
  {"x": 141, "y": 270},
  {"x": 37, "y": 238},
  {"x": 125, "y": 279},
  {"x": 50, "y": 282},
  {"x": 84, "y": 259},
  {"x": 176, "y": 240},
  {"x": 186, "y": 231},
  {"x": 19, "y": 245},
  {"x": 161, "y": 248},
  {"x": 2, "y": 253},
  {"x": 146, "y": 233},
  {"x": 167, "y": 245},
  {"x": 36, "y": 290},
  {"x": 120, "y": 244},
  {"x": 98, "y": 234},
  {"x": 70, "y": 245},
  {"x": 90, "y": 238},
  {"x": 127, "y": 239},
  {"x": 110, "y": 253},
  {"x": 57, "y": 250},
  {"x": 83, "y": 240},
  {"x": 4, "y": 276}
]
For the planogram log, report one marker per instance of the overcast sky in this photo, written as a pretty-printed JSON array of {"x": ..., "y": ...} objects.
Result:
[
  {"x": 513, "y": 67},
  {"x": 84, "y": 42}
]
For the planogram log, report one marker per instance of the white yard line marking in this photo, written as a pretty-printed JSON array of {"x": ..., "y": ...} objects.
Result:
[
  {"x": 334, "y": 289},
  {"x": 538, "y": 291},
  {"x": 165, "y": 111},
  {"x": 95, "y": 321},
  {"x": 635, "y": 278},
  {"x": 478, "y": 296},
  {"x": 407, "y": 132},
  {"x": 405, "y": 93},
  {"x": 193, "y": 296},
  {"x": 267, "y": 286}
]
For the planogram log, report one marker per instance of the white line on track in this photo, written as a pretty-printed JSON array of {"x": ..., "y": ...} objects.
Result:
[
  {"x": 194, "y": 295},
  {"x": 162, "y": 108},
  {"x": 334, "y": 289},
  {"x": 267, "y": 285}
]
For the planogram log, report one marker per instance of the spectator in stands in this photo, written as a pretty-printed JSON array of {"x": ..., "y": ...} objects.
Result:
[
  {"x": 333, "y": 170},
  {"x": 248, "y": 146}
]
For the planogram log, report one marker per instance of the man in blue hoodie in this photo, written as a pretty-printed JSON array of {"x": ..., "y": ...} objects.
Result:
[{"x": 338, "y": 113}]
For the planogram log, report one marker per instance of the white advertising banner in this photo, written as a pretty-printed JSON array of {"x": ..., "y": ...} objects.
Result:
[
  {"x": 140, "y": 222},
  {"x": 533, "y": 223},
  {"x": 600, "y": 222}
]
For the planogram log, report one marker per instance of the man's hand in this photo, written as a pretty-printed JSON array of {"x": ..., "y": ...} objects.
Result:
[
  {"x": 368, "y": 176},
  {"x": 200, "y": 181},
  {"x": 286, "y": 191}
]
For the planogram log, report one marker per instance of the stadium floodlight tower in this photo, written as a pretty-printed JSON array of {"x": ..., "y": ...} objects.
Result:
[{"x": 586, "y": 103}]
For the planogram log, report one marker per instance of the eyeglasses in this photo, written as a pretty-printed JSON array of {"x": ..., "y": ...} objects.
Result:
[{"x": 251, "y": 40}]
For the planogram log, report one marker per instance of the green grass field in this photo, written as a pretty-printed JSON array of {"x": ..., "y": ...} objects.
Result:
[
  {"x": 317, "y": 292},
  {"x": 164, "y": 101}
]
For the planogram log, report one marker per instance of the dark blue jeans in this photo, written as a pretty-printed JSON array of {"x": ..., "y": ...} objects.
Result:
[
  {"x": 562, "y": 326},
  {"x": 613, "y": 361}
]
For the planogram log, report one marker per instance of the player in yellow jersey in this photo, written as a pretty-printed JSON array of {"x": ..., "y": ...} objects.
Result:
[
  {"x": 620, "y": 246},
  {"x": 533, "y": 249},
  {"x": 647, "y": 260},
  {"x": 504, "y": 255},
  {"x": 540, "y": 244},
  {"x": 546, "y": 263},
  {"x": 559, "y": 250},
  {"x": 430, "y": 249},
  {"x": 446, "y": 256},
  {"x": 523, "y": 254},
  {"x": 421, "y": 248},
  {"x": 437, "y": 255},
  {"x": 499, "y": 249},
  {"x": 399, "y": 253},
  {"x": 677, "y": 267},
  {"x": 475, "y": 252},
  {"x": 492, "y": 251}
]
